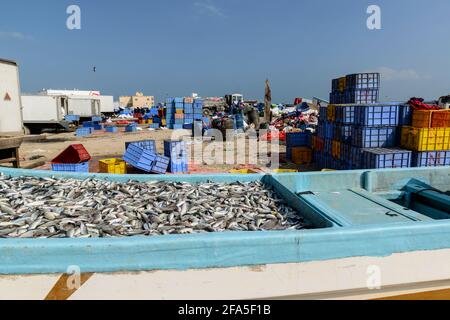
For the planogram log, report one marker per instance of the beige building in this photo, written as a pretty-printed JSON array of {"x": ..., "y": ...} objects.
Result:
[{"x": 137, "y": 101}]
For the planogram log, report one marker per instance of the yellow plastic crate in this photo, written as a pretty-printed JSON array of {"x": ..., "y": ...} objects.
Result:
[
  {"x": 180, "y": 111},
  {"x": 243, "y": 171},
  {"x": 301, "y": 155},
  {"x": 331, "y": 113},
  {"x": 163, "y": 122},
  {"x": 150, "y": 121},
  {"x": 342, "y": 84},
  {"x": 113, "y": 166},
  {"x": 425, "y": 139},
  {"x": 336, "y": 150}
]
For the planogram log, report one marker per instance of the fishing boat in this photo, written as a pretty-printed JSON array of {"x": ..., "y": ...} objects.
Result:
[{"x": 377, "y": 234}]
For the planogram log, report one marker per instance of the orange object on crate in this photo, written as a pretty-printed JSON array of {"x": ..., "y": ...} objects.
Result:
[
  {"x": 331, "y": 113},
  {"x": 342, "y": 84},
  {"x": 431, "y": 118},
  {"x": 301, "y": 155},
  {"x": 336, "y": 150}
]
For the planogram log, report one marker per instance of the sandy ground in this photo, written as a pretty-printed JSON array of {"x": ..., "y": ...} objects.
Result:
[{"x": 102, "y": 145}]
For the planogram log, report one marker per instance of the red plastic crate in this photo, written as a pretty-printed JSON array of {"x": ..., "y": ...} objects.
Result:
[{"x": 74, "y": 154}]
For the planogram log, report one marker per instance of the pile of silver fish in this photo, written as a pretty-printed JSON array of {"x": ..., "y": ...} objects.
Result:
[{"x": 69, "y": 208}]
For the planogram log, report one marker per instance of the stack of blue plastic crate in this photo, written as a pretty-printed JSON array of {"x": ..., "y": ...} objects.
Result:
[
  {"x": 296, "y": 139},
  {"x": 170, "y": 112},
  {"x": 176, "y": 151},
  {"x": 365, "y": 132},
  {"x": 359, "y": 88},
  {"x": 143, "y": 156},
  {"x": 198, "y": 109},
  {"x": 375, "y": 126},
  {"x": 188, "y": 110}
]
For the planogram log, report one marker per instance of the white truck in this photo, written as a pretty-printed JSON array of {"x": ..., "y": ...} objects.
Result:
[
  {"x": 107, "y": 105},
  {"x": 11, "y": 123},
  {"x": 44, "y": 112},
  {"x": 84, "y": 106}
]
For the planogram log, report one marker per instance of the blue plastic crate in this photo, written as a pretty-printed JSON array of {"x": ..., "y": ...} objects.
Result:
[
  {"x": 382, "y": 158},
  {"x": 321, "y": 130},
  {"x": 96, "y": 119},
  {"x": 356, "y": 157},
  {"x": 345, "y": 114},
  {"x": 363, "y": 81},
  {"x": 288, "y": 153},
  {"x": 131, "y": 128},
  {"x": 361, "y": 96},
  {"x": 346, "y": 152},
  {"x": 154, "y": 126},
  {"x": 146, "y": 160},
  {"x": 374, "y": 137},
  {"x": 78, "y": 167},
  {"x": 72, "y": 118},
  {"x": 343, "y": 133},
  {"x": 179, "y": 165},
  {"x": 112, "y": 129},
  {"x": 179, "y": 105},
  {"x": 161, "y": 164},
  {"x": 176, "y": 127},
  {"x": 83, "y": 132},
  {"x": 377, "y": 115},
  {"x": 298, "y": 139},
  {"x": 170, "y": 101},
  {"x": 337, "y": 97},
  {"x": 406, "y": 113},
  {"x": 98, "y": 127},
  {"x": 335, "y": 84},
  {"x": 179, "y": 122},
  {"x": 328, "y": 147},
  {"x": 178, "y": 100},
  {"x": 88, "y": 124},
  {"x": 175, "y": 149},
  {"x": 323, "y": 114},
  {"x": 149, "y": 145},
  {"x": 431, "y": 159},
  {"x": 188, "y": 108},
  {"x": 329, "y": 130}
]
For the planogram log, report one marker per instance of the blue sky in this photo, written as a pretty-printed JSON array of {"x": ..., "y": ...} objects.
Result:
[{"x": 214, "y": 47}]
